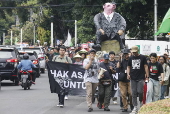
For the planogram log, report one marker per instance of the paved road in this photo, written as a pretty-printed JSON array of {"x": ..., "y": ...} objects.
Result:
[{"x": 39, "y": 100}]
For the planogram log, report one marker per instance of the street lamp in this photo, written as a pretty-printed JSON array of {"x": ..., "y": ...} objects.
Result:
[{"x": 52, "y": 30}]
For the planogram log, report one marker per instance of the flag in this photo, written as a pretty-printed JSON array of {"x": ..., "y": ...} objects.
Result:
[
  {"x": 165, "y": 25},
  {"x": 68, "y": 77},
  {"x": 68, "y": 41}
]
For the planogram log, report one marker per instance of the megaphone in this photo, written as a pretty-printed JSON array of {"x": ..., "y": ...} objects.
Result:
[{"x": 102, "y": 70}]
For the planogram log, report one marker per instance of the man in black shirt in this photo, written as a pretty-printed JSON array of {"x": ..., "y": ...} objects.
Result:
[
  {"x": 50, "y": 55},
  {"x": 136, "y": 70},
  {"x": 114, "y": 61},
  {"x": 153, "y": 86},
  {"x": 124, "y": 83}
]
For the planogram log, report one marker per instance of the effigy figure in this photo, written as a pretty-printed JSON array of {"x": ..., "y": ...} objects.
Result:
[{"x": 110, "y": 25}]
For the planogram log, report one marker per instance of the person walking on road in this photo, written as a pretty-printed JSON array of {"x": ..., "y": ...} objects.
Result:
[
  {"x": 63, "y": 59},
  {"x": 166, "y": 72},
  {"x": 166, "y": 55},
  {"x": 153, "y": 86},
  {"x": 90, "y": 77},
  {"x": 124, "y": 83},
  {"x": 114, "y": 61},
  {"x": 105, "y": 83},
  {"x": 136, "y": 70}
]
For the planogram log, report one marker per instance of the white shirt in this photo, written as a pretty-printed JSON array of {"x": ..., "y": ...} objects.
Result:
[
  {"x": 111, "y": 15},
  {"x": 87, "y": 75}
]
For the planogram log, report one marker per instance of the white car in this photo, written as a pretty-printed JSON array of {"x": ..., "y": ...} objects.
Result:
[{"x": 41, "y": 56}]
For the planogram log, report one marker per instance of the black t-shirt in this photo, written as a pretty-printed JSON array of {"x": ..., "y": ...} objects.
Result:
[
  {"x": 50, "y": 56},
  {"x": 108, "y": 73},
  {"x": 123, "y": 68},
  {"x": 155, "y": 69},
  {"x": 114, "y": 64},
  {"x": 137, "y": 70}
]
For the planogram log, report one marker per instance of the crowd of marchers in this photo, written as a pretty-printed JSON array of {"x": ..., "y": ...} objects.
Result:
[{"x": 146, "y": 77}]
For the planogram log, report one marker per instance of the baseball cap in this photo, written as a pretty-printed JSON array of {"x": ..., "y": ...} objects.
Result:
[
  {"x": 106, "y": 56},
  {"x": 126, "y": 51},
  {"x": 134, "y": 49}
]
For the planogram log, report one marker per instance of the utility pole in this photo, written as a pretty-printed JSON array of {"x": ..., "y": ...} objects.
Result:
[
  {"x": 11, "y": 37},
  {"x": 3, "y": 43},
  {"x": 155, "y": 19},
  {"x": 75, "y": 33},
  {"x": 21, "y": 37},
  {"x": 34, "y": 31},
  {"x": 52, "y": 31}
]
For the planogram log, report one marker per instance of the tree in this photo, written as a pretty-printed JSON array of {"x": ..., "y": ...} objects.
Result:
[{"x": 139, "y": 15}]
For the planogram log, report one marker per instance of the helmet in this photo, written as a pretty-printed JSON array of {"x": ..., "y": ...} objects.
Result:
[{"x": 25, "y": 56}]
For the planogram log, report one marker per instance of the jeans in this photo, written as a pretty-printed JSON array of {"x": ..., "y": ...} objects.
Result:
[
  {"x": 153, "y": 91},
  {"x": 163, "y": 90},
  {"x": 137, "y": 89}
]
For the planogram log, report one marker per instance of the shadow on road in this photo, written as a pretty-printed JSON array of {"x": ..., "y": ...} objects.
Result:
[{"x": 7, "y": 84}]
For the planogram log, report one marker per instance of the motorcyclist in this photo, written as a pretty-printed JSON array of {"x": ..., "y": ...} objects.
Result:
[{"x": 27, "y": 65}]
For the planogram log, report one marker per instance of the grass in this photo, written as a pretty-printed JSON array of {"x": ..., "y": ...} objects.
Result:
[{"x": 158, "y": 107}]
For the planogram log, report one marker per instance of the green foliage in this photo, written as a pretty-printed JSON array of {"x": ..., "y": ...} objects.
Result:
[
  {"x": 43, "y": 35},
  {"x": 139, "y": 15}
]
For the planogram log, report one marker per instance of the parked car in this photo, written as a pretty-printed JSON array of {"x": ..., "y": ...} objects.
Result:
[
  {"x": 34, "y": 58},
  {"x": 9, "y": 59},
  {"x": 41, "y": 56}
]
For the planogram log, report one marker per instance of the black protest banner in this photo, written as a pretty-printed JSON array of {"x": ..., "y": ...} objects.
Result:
[
  {"x": 116, "y": 86},
  {"x": 64, "y": 76}
]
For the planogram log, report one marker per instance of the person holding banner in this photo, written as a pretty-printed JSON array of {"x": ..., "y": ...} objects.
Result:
[
  {"x": 90, "y": 77},
  {"x": 124, "y": 83},
  {"x": 64, "y": 59},
  {"x": 106, "y": 83}
]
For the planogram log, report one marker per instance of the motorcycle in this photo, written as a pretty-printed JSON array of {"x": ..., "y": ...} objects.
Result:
[{"x": 26, "y": 79}]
